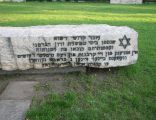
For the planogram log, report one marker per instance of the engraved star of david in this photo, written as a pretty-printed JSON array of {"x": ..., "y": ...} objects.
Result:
[{"x": 124, "y": 42}]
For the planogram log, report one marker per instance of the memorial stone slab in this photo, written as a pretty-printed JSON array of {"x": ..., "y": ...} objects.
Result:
[
  {"x": 126, "y": 1},
  {"x": 39, "y": 47}
]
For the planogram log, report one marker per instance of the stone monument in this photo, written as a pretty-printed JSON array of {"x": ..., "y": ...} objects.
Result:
[
  {"x": 126, "y": 1},
  {"x": 39, "y": 47}
]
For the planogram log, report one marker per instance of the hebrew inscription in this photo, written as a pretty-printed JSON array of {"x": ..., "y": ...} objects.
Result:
[{"x": 103, "y": 47}]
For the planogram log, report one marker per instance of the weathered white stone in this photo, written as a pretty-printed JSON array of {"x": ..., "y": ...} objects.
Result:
[
  {"x": 100, "y": 46},
  {"x": 126, "y": 1}
]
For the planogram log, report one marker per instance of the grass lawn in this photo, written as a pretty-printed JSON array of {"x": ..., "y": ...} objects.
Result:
[{"x": 126, "y": 93}]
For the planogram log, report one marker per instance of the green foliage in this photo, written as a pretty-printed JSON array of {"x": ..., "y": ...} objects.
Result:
[
  {"x": 69, "y": 0},
  {"x": 53, "y": 108}
]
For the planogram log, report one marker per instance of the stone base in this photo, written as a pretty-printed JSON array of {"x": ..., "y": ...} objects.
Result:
[
  {"x": 126, "y": 1},
  {"x": 44, "y": 71}
]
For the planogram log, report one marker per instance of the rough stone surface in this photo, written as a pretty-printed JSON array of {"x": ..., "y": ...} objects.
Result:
[
  {"x": 19, "y": 90},
  {"x": 13, "y": 109},
  {"x": 126, "y": 1},
  {"x": 39, "y": 47}
]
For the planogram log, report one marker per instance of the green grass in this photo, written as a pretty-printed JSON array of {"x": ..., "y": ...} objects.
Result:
[{"x": 128, "y": 93}]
